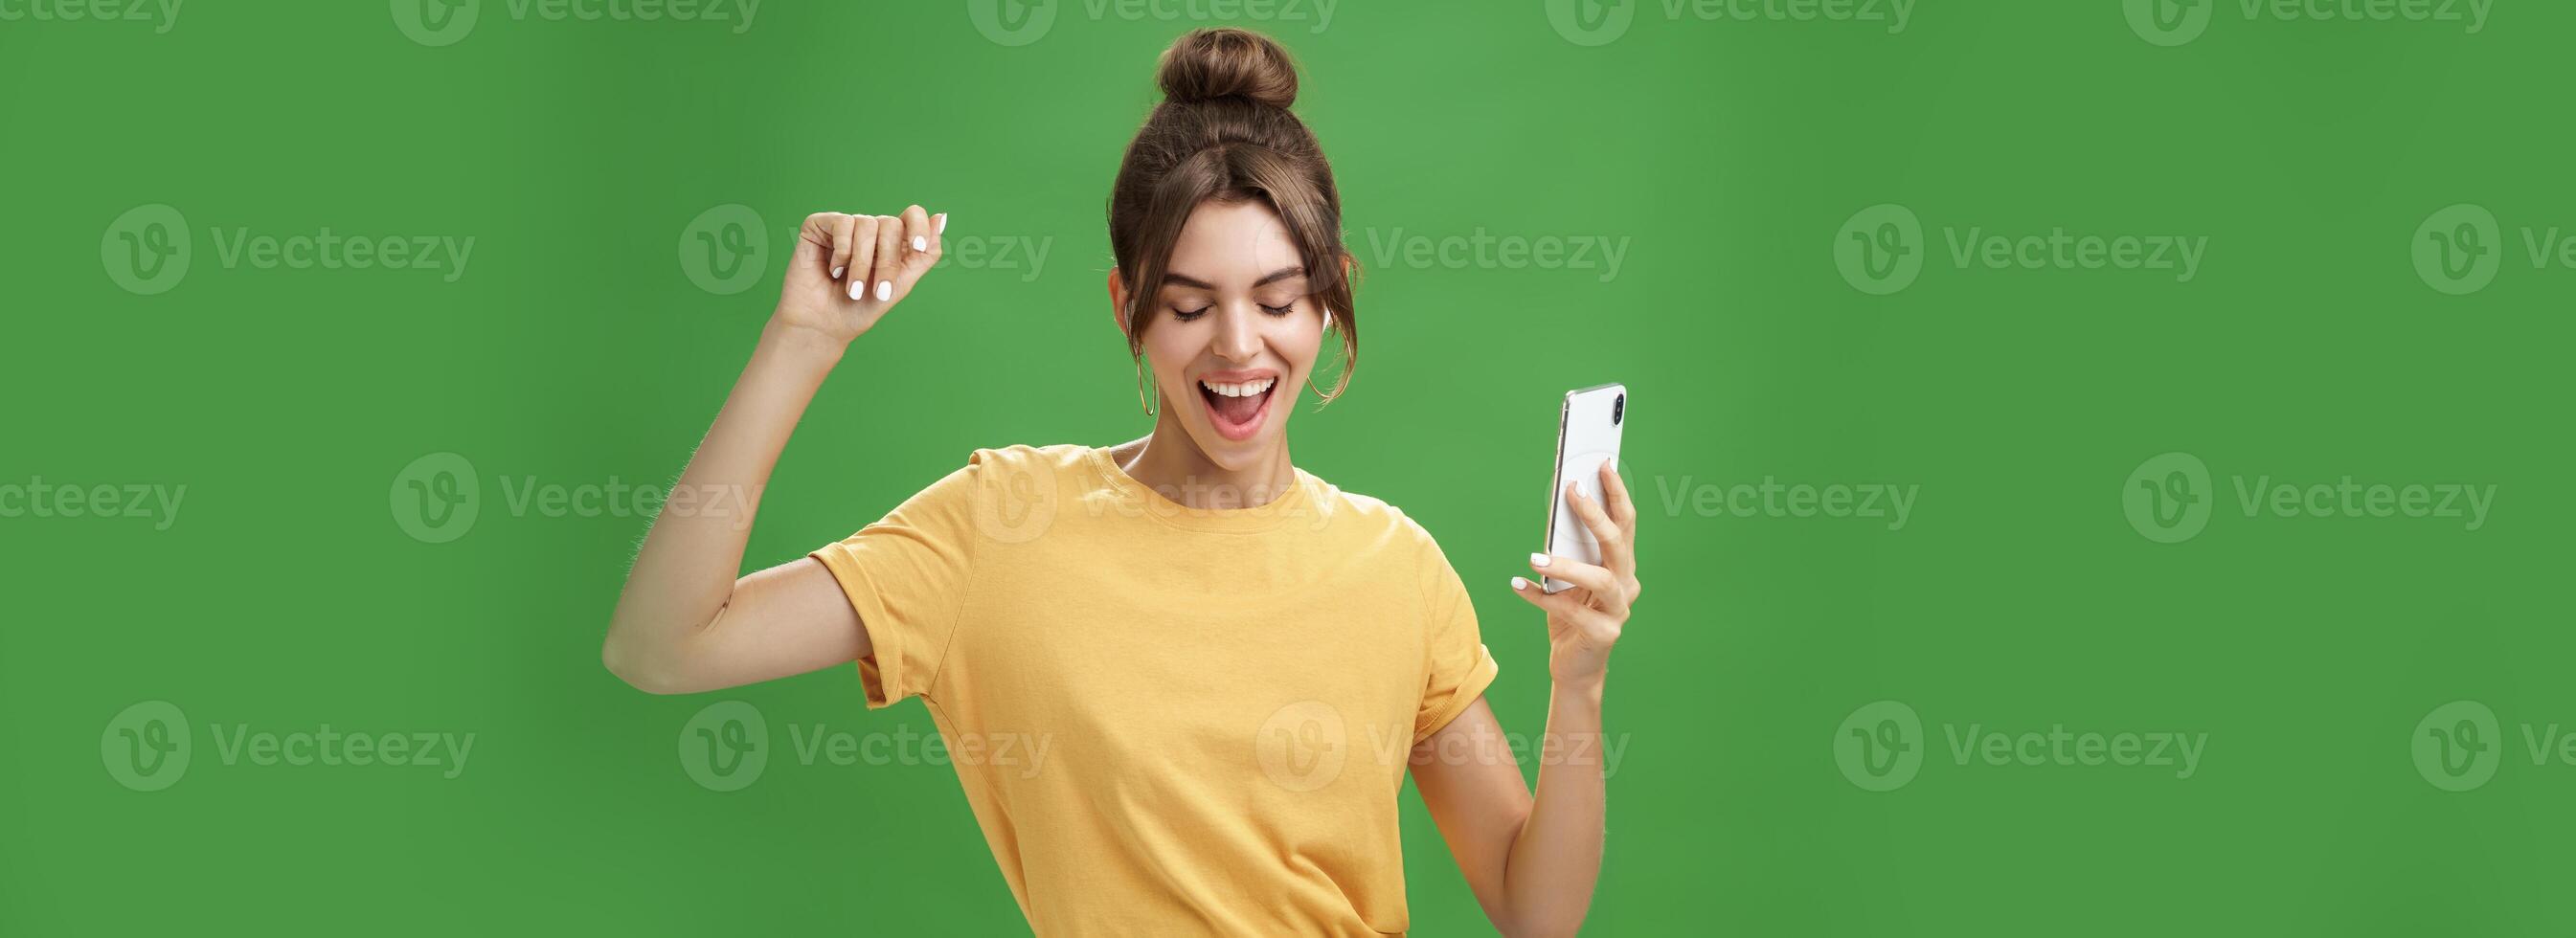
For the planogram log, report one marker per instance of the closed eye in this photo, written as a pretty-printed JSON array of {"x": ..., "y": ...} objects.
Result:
[{"x": 1185, "y": 315}]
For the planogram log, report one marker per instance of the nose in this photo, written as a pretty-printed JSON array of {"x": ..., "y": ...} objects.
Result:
[{"x": 1238, "y": 334}]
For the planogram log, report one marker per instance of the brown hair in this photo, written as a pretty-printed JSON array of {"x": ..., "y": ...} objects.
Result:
[{"x": 1224, "y": 133}]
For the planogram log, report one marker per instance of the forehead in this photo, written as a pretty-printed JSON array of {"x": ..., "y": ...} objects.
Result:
[{"x": 1233, "y": 243}]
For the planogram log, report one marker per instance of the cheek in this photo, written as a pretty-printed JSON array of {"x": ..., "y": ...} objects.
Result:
[
  {"x": 1299, "y": 339},
  {"x": 1171, "y": 346}
]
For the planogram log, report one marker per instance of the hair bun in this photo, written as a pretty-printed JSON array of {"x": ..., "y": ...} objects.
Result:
[{"x": 1225, "y": 62}]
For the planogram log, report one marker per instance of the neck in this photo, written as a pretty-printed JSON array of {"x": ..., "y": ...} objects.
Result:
[{"x": 1169, "y": 462}]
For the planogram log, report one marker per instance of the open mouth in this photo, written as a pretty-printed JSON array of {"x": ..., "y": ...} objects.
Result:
[{"x": 1238, "y": 407}]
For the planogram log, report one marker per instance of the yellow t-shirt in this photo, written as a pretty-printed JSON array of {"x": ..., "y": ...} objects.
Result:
[{"x": 1168, "y": 720}]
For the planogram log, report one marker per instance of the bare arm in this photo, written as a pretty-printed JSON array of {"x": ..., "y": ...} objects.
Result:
[
  {"x": 686, "y": 622},
  {"x": 1533, "y": 861}
]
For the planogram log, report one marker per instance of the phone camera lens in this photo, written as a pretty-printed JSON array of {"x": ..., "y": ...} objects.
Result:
[{"x": 1618, "y": 408}]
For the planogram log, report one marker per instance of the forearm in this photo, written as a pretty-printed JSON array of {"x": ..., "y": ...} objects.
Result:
[
  {"x": 1556, "y": 859},
  {"x": 685, "y": 572}
]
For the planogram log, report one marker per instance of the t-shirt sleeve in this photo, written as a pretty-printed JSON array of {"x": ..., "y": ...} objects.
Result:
[
  {"x": 906, "y": 575},
  {"x": 1457, "y": 666}
]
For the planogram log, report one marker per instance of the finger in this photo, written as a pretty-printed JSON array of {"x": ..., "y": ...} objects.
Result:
[
  {"x": 920, "y": 248},
  {"x": 814, "y": 240},
  {"x": 1597, "y": 579},
  {"x": 843, "y": 224},
  {"x": 889, "y": 258},
  {"x": 863, "y": 252},
  {"x": 1614, "y": 550},
  {"x": 1614, "y": 490},
  {"x": 1563, "y": 603}
]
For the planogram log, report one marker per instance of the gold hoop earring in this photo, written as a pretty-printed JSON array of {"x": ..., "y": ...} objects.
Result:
[{"x": 1150, "y": 410}]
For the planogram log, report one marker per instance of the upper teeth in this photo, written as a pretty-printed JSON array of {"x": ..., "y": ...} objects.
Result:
[{"x": 1239, "y": 389}]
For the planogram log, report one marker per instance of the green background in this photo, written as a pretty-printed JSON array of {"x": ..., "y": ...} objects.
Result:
[{"x": 1726, "y": 153}]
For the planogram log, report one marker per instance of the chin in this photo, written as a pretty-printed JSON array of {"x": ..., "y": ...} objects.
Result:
[{"x": 1236, "y": 455}]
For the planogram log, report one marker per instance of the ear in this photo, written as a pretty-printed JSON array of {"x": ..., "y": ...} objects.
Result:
[{"x": 1118, "y": 301}]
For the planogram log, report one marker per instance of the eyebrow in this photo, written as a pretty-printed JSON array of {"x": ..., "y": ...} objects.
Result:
[{"x": 1266, "y": 279}]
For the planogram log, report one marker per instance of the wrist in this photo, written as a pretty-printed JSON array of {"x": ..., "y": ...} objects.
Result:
[
  {"x": 1578, "y": 667},
  {"x": 802, "y": 343},
  {"x": 1580, "y": 688}
]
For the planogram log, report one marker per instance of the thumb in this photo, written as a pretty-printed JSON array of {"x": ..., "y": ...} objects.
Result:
[{"x": 813, "y": 247}]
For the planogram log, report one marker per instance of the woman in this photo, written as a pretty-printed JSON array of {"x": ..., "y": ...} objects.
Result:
[{"x": 1229, "y": 663}]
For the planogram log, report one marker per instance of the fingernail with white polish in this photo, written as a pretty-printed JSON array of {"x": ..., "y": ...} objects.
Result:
[
  {"x": 1519, "y": 584},
  {"x": 885, "y": 290},
  {"x": 1538, "y": 560},
  {"x": 941, "y": 225},
  {"x": 838, "y": 271},
  {"x": 920, "y": 243},
  {"x": 858, "y": 289}
]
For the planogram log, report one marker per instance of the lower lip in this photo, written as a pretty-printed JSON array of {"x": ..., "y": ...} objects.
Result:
[{"x": 1245, "y": 430}]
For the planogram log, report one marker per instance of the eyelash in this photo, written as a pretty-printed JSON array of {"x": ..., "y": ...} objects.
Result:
[{"x": 1185, "y": 315}]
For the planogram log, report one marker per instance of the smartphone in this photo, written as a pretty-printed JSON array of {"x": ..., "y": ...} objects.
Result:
[{"x": 1587, "y": 435}]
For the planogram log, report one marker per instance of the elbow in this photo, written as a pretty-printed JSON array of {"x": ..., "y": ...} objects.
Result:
[
  {"x": 639, "y": 671},
  {"x": 1542, "y": 930},
  {"x": 1541, "y": 917}
]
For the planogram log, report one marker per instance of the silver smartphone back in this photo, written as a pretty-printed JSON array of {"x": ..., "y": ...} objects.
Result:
[{"x": 1587, "y": 434}]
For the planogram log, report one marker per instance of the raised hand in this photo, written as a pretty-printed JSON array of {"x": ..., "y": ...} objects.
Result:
[
  {"x": 847, "y": 270},
  {"x": 1583, "y": 621}
]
